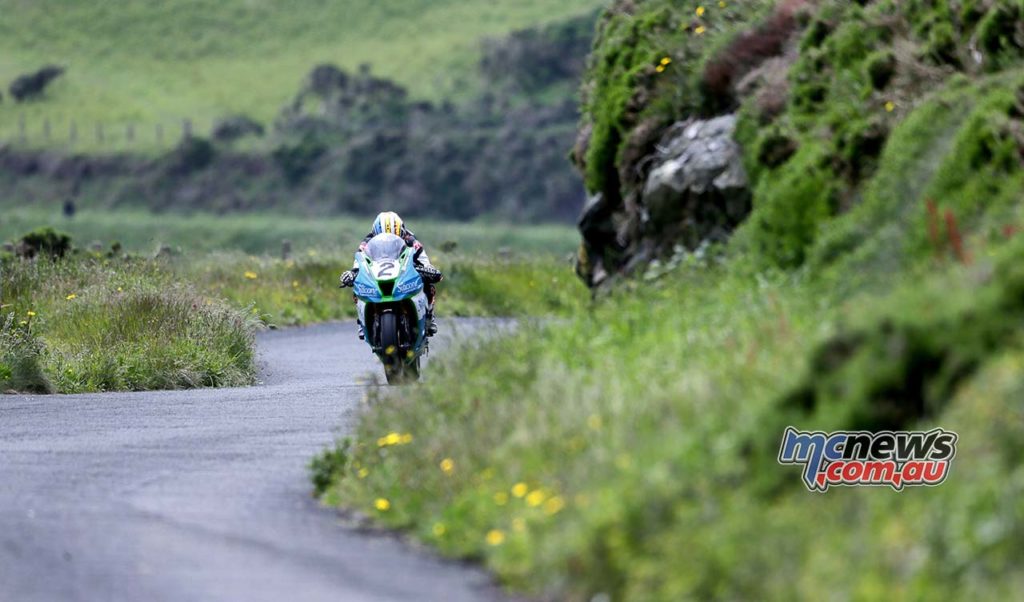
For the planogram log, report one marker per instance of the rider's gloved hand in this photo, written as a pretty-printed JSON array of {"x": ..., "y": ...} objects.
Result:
[
  {"x": 430, "y": 274},
  {"x": 348, "y": 279}
]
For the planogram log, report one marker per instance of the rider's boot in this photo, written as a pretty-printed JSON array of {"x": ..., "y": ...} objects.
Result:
[
  {"x": 362, "y": 335},
  {"x": 431, "y": 325}
]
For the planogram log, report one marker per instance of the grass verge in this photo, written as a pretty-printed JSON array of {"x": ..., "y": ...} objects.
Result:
[
  {"x": 304, "y": 290},
  {"x": 98, "y": 324},
  {"x": 631, "y": 452}
]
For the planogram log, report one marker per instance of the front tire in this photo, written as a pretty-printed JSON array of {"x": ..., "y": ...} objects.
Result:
[{"x": 396, "y": 370}]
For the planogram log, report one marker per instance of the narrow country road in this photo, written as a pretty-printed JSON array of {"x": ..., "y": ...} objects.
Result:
[{"x": 204, "y": 495}]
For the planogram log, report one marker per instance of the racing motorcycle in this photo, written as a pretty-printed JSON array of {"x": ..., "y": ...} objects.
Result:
[{"x": 392, "y": 306}]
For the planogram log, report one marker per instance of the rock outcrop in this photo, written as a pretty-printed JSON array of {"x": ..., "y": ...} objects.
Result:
[{"x": 695, "y": 190}]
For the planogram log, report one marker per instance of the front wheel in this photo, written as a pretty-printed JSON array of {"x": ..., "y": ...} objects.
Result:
[{"x": 396, "y": 370}]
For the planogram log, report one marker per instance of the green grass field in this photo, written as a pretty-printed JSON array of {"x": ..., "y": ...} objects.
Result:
[
  {"x": 262, "y": 233},
  {"x": 137, "y": 62}
]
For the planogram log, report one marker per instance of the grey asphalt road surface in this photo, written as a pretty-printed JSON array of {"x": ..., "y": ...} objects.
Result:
[{"x": 204, "y": 495}]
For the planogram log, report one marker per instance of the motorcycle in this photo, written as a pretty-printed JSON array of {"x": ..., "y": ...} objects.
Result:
[{"x": 392, "y": 306}]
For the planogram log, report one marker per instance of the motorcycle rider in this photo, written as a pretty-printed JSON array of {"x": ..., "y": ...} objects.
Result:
[{"x": 388, "y": 222}]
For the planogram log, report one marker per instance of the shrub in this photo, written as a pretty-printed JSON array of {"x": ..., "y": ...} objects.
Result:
[
  {"x": 192, "y": 154},
  {"x": 745, "y": 52},
  {"x": 297, "y": 160},
  {"x": 45, "y": 242}
]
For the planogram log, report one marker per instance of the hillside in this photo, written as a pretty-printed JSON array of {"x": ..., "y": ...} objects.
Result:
[
  {"x": 144, "y": 64},
  {"x": 330, "y": 134},
  {"x": 802, "y": 214}
]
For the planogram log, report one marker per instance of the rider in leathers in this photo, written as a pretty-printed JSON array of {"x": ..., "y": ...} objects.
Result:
[{"x": 390, "y": 223}]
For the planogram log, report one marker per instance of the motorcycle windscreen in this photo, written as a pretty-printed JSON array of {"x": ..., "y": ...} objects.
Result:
[{"x": 384, "y": 246}]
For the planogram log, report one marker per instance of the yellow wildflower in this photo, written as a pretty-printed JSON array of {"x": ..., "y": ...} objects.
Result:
[
  {"x": 495, "y": 537},
  {"x": 407, "y": 438},
  {"x": 295, "y": 284},
  {"x": 447, "y": 465},
  {"x": 23, "y": 322},
  {"x": 666, "y": 60},
  {"x": 393, "y": 438},
  {"x": 535, "y": 498},
  {"x": 382, "y": 504},
  {"x": 700, "y": 11},
  {"x": 660, "y": 68},
  {"x": 439, "y": 529},
  {"x": 71, "y": 296},
  {"x": 554, "y": 505},
  {"x": 699, "y": 30},
  {"x": 363, "y": 472},
  {"x": 890, "y": 106},
  {"x": 120, "y": 290},
  {"x": 501, "y": 498},
  {"x": 721, "y": 3},
  {"x": 30, "y": 313},
  {"x": 519, "y": 489},
  {"x": 250, "y": 275}
]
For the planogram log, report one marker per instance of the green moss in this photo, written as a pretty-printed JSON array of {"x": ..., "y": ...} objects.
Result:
[
  {"x": 791, "y": 204},
  {"x": 880, "y": 67},
  {"x": 998, "y": 35}
]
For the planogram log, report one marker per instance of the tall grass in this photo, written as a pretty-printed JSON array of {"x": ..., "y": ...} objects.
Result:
[
  {"x": 630, "y": 452},
  {"x": 98, "y": 324}
]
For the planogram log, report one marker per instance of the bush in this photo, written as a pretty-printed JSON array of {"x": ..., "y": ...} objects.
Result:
[
  {"x": 45, "y": 242},
  {"x": 297, "y": 160},
  {"x": 191, "y": 155}
]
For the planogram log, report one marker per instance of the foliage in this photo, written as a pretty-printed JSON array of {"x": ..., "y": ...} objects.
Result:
[
  {"x": 45, "y": 242},
  {"x": 535, "y": 452},
  {"x": 630, "y": 452},
  {"x": 884, "y": 135},
  {"x": 92, "y": 323}
]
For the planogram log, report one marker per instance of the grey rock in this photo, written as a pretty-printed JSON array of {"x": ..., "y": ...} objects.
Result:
[{"x": 697, "y": 187}]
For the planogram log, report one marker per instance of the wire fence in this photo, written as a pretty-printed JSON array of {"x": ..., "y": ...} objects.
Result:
[{"x": 73, "y": 134}]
